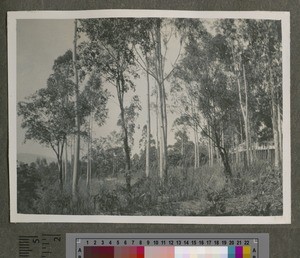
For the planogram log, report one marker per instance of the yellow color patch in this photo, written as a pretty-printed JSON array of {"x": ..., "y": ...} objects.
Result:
[{"x": 246, "y": 251}]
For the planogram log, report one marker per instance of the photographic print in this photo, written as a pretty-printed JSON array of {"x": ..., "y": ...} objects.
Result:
[{"x": 143, "y": 116}]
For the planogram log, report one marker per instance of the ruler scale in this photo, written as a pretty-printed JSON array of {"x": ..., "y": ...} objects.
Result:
[
  {"x": 167, "y": 245},
  {"x": 95, "y": 245},
  {"x": 39, "y": 246}
]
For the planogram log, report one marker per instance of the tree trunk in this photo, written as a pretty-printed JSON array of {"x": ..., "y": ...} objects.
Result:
[
  {"x": 237, "y": 154},
  {"x": 241, "y": 154},
  {"x": 209, "y": 153},
  {"x": 157, "y": 133},
  {"x": 72, "y": 148},
  {"x": 127, "y": 154},
  {"x": 121, "y": 85},
  {"x": 59, "y": 154},
  {"x": 165, "y": 120},
  {"x": 196, "y": 149},
  {"x": 60, "y": 168},
  {"x": 211, "y": 148},
  {"x": 244, "y": 114},
  {"x": 148, "y": 122},
  {"x": 66, "y": 177},
  {"x": 66, "y": 173},
  {"x": 63, "y": 172},
  {"x": 182, "y": 154},
  {"x": 162, "y": 104},
  {"x": 279, "y": 124},
  {"x": 161, "y": 141},
  {"x": 274, "y": 122},
  {"x": 77, "y": 122},
  {"x": 248, "y": 128},
  {"x": 224, "y": 156},
  {"x": 91, "y": 146},
  {"x": 88, "y": 167},
  {"x": 218, "y": 157},
  {"x": 225, "y": 160}
]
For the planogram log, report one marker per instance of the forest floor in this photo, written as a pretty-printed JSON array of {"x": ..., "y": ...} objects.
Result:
[
  {"x": 252, "y": 191},
  {"x": 203, "y": 192},
  {"x": 204, "y": 207}
]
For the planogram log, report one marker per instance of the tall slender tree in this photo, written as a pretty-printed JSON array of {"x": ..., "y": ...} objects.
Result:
[
  {"x": 77, "y": 116},
  {"x": 109, "y": 49},
  {"x": 148, "y": 122},
  {"x": 93, "y": 105},
  {"x": 204, "y": 65},
  {"x": 157, "y": 40},
  {"x": 47, "y": 118}
]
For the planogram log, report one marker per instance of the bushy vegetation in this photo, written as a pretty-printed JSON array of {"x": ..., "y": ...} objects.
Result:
[{"x": 255, "y": 191}]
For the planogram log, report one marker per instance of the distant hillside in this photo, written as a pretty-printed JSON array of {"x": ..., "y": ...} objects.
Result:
[{"x": 29, "y": 158}]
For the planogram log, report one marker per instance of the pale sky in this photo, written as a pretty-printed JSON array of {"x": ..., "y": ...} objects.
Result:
[{"x": 39, "y": 43}]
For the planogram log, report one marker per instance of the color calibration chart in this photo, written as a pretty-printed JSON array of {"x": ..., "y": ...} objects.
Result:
[{"x": 167, "y": 245}]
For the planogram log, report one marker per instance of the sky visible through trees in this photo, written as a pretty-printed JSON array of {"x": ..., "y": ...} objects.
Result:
[{"x": 34, "y": 62}]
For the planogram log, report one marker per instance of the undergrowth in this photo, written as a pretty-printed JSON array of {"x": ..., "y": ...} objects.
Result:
[{"x": 252, "y": 191}]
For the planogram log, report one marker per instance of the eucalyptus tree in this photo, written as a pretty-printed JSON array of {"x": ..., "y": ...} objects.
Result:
[
  {"x": 185, "y": 84},
  {"x": 274, "y": 68},
  {"x": 93, "y": 107},
  {"x": 47, "y": 117},
  {"x": 63, "y": 66},
  {"x": 109, "y": 49},
  {"x": 154, "y": 44},
  {"x": 204, "y": 69},
  {"x": 143, "y": 49},
  {"x": 264, "y": 37},
  {"x": 77, "y": 115},
  {"x": 256, "y": 61},
  {"x": 185, "y": 101},
  {"x": 237, "y": 57}
]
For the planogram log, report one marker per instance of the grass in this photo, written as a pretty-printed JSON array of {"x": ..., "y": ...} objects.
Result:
[{"x": 252, "y": 191}]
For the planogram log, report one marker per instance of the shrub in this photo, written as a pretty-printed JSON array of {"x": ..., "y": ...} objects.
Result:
[
  {"x": 257, "y": 191},
  {"x": 205, "y": 191},
  {"x": 28, "y": 180}
]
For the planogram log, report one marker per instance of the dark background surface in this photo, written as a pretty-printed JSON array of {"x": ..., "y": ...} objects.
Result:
[{"x": 284, "y": 239}]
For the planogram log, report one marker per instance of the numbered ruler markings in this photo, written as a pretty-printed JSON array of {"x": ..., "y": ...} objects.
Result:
[
  {"x": 251, "y": 244},
  {"x": 38, "y": 245},
  {"x": 162, "y": 242}
]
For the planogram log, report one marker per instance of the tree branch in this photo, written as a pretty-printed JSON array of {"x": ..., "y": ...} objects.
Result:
[
  {"x": 143, "y": 66},
  {"x": 174, "y": 63}
]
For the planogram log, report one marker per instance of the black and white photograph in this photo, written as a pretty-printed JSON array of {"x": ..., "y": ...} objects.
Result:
[{"x": 149, "y": 117}]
